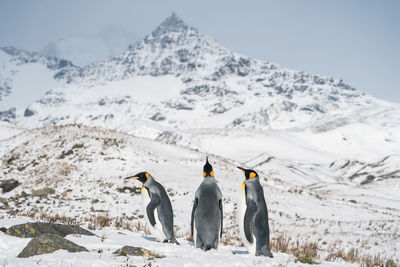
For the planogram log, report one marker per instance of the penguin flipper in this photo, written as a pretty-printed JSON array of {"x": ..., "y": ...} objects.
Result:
[
  {"x": 222, "y": 217},
  {"x": 248, "y": 220},
  {"x": 154, "y": 202},
  {"x": 195, "y": 203}
]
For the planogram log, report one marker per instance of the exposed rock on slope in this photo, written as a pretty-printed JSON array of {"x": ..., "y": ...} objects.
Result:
[
  {"x": 48, "y": 243},
  {"x": 36, "y": 229}
]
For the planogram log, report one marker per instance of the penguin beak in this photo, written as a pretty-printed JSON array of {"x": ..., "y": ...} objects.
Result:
[
  {"x": 241, "y": 169},
  {"x": 131, "y": 177}
]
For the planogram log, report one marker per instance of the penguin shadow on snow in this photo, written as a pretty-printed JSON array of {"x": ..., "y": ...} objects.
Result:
[
  {"x": 240, "y": 252},
  {"x": 149, "y": 238}
]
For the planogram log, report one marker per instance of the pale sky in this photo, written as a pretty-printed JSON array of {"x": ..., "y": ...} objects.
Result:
[{"x": 358, "y": 41}]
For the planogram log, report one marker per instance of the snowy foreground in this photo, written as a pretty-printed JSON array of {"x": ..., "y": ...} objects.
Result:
[
  {"x": 86, "y": 165},
  {"x": 111, "y": 239}
]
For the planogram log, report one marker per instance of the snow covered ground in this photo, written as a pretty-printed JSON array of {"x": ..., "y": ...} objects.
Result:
[
  {"x": 85, "y": 166},
  {"x": 110, "y": 239},
  {"x": 8, "y": 130}
]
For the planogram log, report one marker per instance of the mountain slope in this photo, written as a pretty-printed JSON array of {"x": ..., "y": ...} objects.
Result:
[
  {"x": 26, "y": 76},
  {"x": 88, "y": 165}
]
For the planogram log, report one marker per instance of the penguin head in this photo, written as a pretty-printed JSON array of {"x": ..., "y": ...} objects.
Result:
[
  {"x": 249, "y": 174},
  {"x": 207, "y": 169},
  {"x": 141, "y": 176}
]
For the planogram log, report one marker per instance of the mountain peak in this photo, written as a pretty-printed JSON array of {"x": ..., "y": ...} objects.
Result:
[{"x": 171, "y": 24}]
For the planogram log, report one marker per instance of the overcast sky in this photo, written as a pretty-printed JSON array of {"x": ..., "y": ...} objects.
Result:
[{"x": 358, "y": 41}]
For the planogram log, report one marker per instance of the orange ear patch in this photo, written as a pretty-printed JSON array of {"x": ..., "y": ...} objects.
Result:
[
  {"x": 212, "y": 173},
  {"x": 252, "y": 175},
  {"x": 147, "y": 175},
  {"x": 204, "y": 174}
]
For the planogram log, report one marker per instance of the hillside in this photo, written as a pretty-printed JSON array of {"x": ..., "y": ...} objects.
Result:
[
  {"x": 87, "y": 166},
  {"x": 26, "y": 76}
]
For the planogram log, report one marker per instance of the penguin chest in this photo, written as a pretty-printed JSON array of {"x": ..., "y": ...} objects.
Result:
[
  {"x": 155, "y": 230},
  {"x": 241, "y": 211}
]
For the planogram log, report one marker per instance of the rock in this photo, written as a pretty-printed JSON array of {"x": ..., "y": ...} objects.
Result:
[
  {"x": 49, "y": 243},
  {"x": 29, "y": 112},
  {"x": 8, "y": 185},
  {"x": 134, "y": 190},
  {"x": 8, "y": 114},
  {"x": 43, "y": 192},
  {"x": 94, "y": 201},
  {"x": 36, "y": 229},
  {"x": 158, "y": 117},
  {"x": 136, "y": 251}
]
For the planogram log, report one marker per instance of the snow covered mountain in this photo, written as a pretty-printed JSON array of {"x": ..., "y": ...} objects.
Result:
[
  {"x": 217, "y": 86},
  {"x": 85, "y": 49},
  {"x": 178, "y": 83},
  {"x": 26, "y": 76}
]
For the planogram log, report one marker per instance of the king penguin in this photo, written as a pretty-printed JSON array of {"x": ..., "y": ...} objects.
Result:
[
  {"x": 253, "y": 215},
  {"x": 157, "y": 208},
  {"x": 207, "y": 216}
]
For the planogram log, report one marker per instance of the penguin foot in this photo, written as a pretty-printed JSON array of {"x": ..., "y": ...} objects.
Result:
[
  {"x": 171, "y": 240},
  {"x": 264, "y": 252},
  {"x": 205, "y": 247}
]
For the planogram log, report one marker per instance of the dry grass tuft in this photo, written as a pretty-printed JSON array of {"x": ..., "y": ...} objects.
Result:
[
  {"x": 304, "y": 252},
  {"x": 230, "y": 240},
  {"x": 354, "y": 256},
  {"x": 308, "y": 252},
  {"x": 65, "y": 169},
  {"x": 190, "y": 238},
  {"x": 151, "y": 255},
  {"x": 94, "y": 222}
]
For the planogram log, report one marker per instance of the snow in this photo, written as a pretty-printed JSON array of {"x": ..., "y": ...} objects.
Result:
[
  {"x": 306, "y": 205},
  {"x": 113, "y": 239},
  {"x": 29, "y": 84},
  {"x": 140, "y": 88},
  {"x": 8, "y": 130}
]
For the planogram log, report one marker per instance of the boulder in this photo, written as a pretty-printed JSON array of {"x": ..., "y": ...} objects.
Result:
[
  {"x": 136, "y": 251},
  {"x": 8, "y": 185},
  {"x": 48, "y": 243},
  {"x": 36, "y": 229},
  {"x": 29, "y": 112},
  {"x": 43, "y": 192}
]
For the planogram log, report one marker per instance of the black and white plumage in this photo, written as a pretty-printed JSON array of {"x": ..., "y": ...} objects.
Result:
[
  {"x": 252, "y": 215},
  {"x": 207, "y": 213},
  {"x": 157, "y": 208}
]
